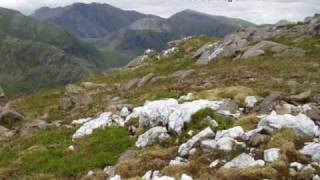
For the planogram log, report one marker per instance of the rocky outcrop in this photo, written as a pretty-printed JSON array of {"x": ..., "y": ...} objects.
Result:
[
  {"x": 153, "y": 135},
  {"x": 300, "y": 124},
  {"x": 243, "y": 161},
  {"x": 74, "y": 96}
]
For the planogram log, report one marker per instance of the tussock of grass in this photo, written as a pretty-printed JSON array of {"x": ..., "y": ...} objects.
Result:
[
  {"x": 248, "y": 122},
  {"x": 154, "y": 158}
]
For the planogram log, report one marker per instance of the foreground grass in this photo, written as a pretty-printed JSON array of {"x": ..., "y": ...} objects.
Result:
[{"x": 45, "y": 153}]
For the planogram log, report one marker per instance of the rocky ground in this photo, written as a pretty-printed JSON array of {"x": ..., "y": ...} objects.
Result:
[{"x": 242, "y": 107}]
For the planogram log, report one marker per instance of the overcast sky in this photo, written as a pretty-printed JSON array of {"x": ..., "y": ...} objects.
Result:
[{"x": 257, "y": 11}]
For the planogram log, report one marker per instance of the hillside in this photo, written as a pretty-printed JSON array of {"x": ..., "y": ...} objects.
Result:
[
  {"x": 245, "y": 106},
  {"x": 88, "y": 20},
  {"x": 129, "y": 32},
  {"x": 36, "y": 55}
]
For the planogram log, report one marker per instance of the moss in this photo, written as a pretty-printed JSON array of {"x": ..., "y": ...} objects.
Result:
[{"x": 248, "y": 122}]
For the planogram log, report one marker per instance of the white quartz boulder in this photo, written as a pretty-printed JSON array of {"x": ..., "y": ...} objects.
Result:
[
  {"x": 300, "y": 124},
  {"x": 232, "y": 133},
  {"x": 312, "y": 149},
  {"x": 186, "y": 147},
  {"x": 87, "y": 128},
  {"x": 243, "y": 161},
  {"x": 153, "y": 135}
]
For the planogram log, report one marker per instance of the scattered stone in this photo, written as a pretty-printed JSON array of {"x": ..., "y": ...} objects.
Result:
[
  {"x": 5, "y": 133},
  {"x": 300, "y": 124},
  {"x": 178, "y": 161},
  {"x": 78, "y": 95},
  {"x": 272, "y": 154},
  {"x": 145, "y": 79},
  {"x": 312, "y": 149},
  {"x": 153, "y": 135},
  {"x": 214, "y": 163},
  {"x": 266, "y": 105},
  {"x": 91, "y": 85},
  {"x": 188, "y": 97},
  {"x": 86, "y": 129},
  {"x": 226, "y": 144},
  {"x": 3, "y": 98},
  {"x": 116, "y": 177},
  {"x": 80, "y": 121},
  {"x": 186, "y": 177},
  {"x": 169, "y": 52},
  {"x": 232, "y": 133},
  {"x": 250, "y": 101},
  {"x": 65, "y": 103},
  {"x": 296, "y": 165},
  {"x": 124, "y": 112},
  {"x": 313, "y": 113},
  {"x": 229, "y": 106},
  {"x": 185, "y": 148},
  {"x": 243, "y": 161},
  {"x": 182, "y": 74},
  {"x": 258, "y": 139},
  {"x": 127, "y": 155},
  {"x": 110, "y": 171},
  {"x": 130, "y": 84},
  {"x": 210, "y": 53},
  {"x": 302, "y": 97},
  {"x": 9, "y": 115}
]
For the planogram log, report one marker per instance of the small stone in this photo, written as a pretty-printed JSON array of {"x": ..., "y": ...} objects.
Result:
[
  {"x": 296, "y": 165},
  {"x": 250, "y": 101},
  {"x": 186, "y": 177},
  {"x": 214, "y": 163},
  {"x": 272, "y": 154}
]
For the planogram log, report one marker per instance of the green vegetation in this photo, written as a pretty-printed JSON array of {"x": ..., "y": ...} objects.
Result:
[{"x": 46, "y": 152}]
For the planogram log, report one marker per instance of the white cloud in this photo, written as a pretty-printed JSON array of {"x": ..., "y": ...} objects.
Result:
[{"x": 258, "y": 11}]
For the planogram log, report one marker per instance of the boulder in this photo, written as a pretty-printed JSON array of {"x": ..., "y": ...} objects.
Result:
[
  {"x": 226, "y": 144},
  {"x": 312, "y": 149},
  {"x": 79, "y": 96},
  {"x": 300, "y": 124},
  {"x": 266, "y": 105},
  {"x": 258, "y": 139},
  {"x": 116, "y": 177},
  {"x": 178, "y": 161},
  {"x": 313, "y": 113},
  {"x": 229, "y": 106},
  {"x": 130, "y": 84},
  {"x": 272, "y": 154},
  {"x": 186, "y": 177},
  {"x": 210, "y": 53},
  {"x": 87, "y": 128},
  {"x": 65, "y": 103},
  {"x": 145, "y": 79},
  {"x": 9, "y": 115},
  {"x": 243, "y": 161},
  {"x": 124, "y": 112},
  {"x": 153, "y": 135},
  {"x": 169, "y": 52},
  {"x": 186, "y": 147},
  {"x": 91, "y": 85},
  {"x": 182, "y": 74},
  {"x": 231, "y": 133},
  {"x": 302, "y": 97},
  {"x": 250, "y": 101}
]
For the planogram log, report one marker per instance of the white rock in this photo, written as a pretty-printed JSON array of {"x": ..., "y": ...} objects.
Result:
[
  {"x": 183, "y": 114},
  {"x": 312, "y": 149},
  {"x": 316, "y": 177},
  {"x": 296, "y": 165},
  {"x": 86, "y": 129},
  {"x": 247, "y": 135},
  {"x": 178, "y": 161},
  {"x": 153, "y": 135},
  {"x": 260, "y": 163},
  {"x": 80, "y": 121},
  {"x": 250, "y": 101},
  {"x": 71, "y": 148},
  {"x": 214, "y": 163},
  {"x": 300, "y": 124},
  {"x": 89, "y": 174},
  {"x": 193, "y": 151},
  {"x": 118, "y": 120},
  {"x": 163, "y": 178},
  {"x": 242, "y": 161},
  {"x": 147, "y": 175},
  {"x": 154, "y": 113},
  {"x": 186, "y": 147},
  {"x": 124, "y": 112},
  {"x": 116, "y": 177},
  {"x": 169, "y": 52},
  {"x": 232, "y": 133},
  {"x": 271, "y": 155},
  {"x": 186, "y": 177},
  {"x": 226, "y": 144},
  {"x": 188, "y": 97}
]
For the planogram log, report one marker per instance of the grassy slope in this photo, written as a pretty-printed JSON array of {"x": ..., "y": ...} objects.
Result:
[{"x": 262, "y": 74}]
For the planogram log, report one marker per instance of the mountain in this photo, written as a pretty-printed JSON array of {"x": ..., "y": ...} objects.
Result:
[
  {"x": 88, "y": 20},
  {"x": 130, "y": 32},
  {"x": 242, "y": 107},
  {"x": 38, "y": 54}
]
